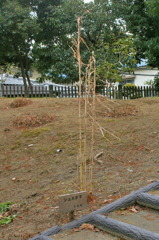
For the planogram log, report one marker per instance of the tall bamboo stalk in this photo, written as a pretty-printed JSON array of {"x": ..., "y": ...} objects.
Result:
[
  {"x": 93, "y": 122},
  {"x": 79, "y": 101},
  {"x": 88, "y": 115},
  {"x": 85, "y": 137}
]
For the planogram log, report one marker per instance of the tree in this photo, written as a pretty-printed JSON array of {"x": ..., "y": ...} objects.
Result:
[
  {"x": 101, "y": 32},
  {"x": 18, "y": 28},
  {"x": 21, "y": 26},
  {"x": 54, "y": 58},
  {"x": 39, "y": 33},
  {"x": 106, "y": 35},
  {"x": 119, "y": 57},
  {"x": 153, "y": 7},
  {"x": 142, "y": 20}
]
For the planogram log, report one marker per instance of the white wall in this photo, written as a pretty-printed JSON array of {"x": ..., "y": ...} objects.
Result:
[{"x": 140, "y": 80}]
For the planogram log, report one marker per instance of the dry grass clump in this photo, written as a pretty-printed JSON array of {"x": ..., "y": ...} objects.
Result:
[
  {"x": 121, "y": 111},
  {"x": 114, "y": 109},
  {"x": 30, "y": 121},
  {"x": 20, "y": 102}
]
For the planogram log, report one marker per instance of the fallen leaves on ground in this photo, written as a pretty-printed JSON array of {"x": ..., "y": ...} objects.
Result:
[
  {"x": 29, "y": 120},
  {"x": 134, "y": 209},
  {"x": 86, "y": 226},
  {"x": 91, "y": 198}
]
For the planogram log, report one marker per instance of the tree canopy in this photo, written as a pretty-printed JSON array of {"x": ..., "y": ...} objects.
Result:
[
  {"x": 18, "y": 28},
  {"x": 142, "y": 20},
  {"x": 101, "y": 33}
]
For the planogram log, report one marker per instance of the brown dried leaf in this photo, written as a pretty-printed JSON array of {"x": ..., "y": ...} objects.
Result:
[
  {"x": 133, "y": 209},
  {"x": 76, "y": 230},
  {"x": 86, "y": 226},
  {"x": 91, "y": 198},
  {"x": 96, "y": 230}
]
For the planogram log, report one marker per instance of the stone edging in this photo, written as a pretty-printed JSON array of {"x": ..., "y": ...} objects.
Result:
[{"x": 121, "y": 229}]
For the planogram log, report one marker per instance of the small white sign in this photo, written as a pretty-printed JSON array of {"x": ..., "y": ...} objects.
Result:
[{"x": 72, "y": 202}]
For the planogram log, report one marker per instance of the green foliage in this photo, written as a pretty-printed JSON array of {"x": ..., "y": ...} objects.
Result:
[
  {"x": 156, "y": 82},
  {"x": 114, "y": 50},
  {"x": 119, "y": 56},
  {"x": 55, "y": 58},
  {"x": 7, "y": 220},
  {"x": 58, "y": 62},
  {"x": 34, "y": 132},
  {"x": 142, "y": 20},
  {"x": 4, "y": 207},
  {"x": 153, "y": 7},
  {"x": 150, "y": 82},
  {"x": 18, "y": 30},
  {"x": 128, "y": 85},
  {"x": 39, "y": 34}
]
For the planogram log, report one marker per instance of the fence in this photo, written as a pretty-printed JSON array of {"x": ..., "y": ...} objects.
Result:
[{"x": 73, "y": 91}]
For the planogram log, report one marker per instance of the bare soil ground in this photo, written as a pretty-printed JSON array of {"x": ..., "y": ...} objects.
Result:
[{"x": 33, "y": 173}]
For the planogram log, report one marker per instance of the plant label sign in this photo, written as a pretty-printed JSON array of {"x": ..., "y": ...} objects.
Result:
[{"x": 72, "y": 202}]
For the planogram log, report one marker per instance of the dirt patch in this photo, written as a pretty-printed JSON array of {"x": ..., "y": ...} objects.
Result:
[{"x": 33, "y": 173}]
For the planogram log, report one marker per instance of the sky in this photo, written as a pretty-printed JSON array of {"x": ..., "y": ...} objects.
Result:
[{"x": 86, "y": 1}]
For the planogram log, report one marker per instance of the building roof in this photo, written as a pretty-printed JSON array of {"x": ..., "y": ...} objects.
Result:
[{"x": 11, "y": 80}]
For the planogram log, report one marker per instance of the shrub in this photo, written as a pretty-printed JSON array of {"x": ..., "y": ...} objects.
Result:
[
  {"x": 20, "y": 102},
  {"x": 156, "y": 82},
  {"x": 130, "y": 85}
]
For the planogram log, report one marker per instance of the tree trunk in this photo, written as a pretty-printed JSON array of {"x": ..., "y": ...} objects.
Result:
[
  {"x": 27, "y": 75},
  {"x": 29, "y": 82},
  {"x": 24, "y": 79}
]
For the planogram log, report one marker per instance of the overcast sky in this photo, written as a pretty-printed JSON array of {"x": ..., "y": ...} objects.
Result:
[{"x": 86, "y": 1}]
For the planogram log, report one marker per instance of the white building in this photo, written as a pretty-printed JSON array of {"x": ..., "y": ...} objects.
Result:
[{"x": 142, "y": 76}]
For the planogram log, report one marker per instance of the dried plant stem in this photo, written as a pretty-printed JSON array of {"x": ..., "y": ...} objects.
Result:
[
  {"x": 87, "y": 92},
  {"x": 85, "y": 141},
  {"x": 93, "y": 122},
  {"x": 78, "y": 55}
]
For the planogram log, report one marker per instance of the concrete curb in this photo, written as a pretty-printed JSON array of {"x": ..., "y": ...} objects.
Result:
[{"x": 122, "y": 229}]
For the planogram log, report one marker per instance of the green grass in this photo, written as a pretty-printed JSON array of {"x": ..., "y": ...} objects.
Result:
[{"x": 34, "y": 132}]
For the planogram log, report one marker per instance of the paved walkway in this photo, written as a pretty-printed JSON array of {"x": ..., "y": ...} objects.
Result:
[{"x": 84, "y": 235}]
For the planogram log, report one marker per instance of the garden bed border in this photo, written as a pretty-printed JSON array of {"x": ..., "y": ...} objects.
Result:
[{"x": 111, "y": 225}]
